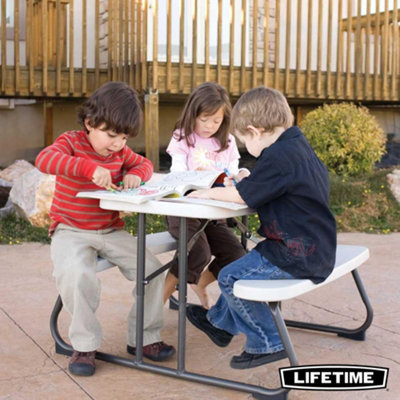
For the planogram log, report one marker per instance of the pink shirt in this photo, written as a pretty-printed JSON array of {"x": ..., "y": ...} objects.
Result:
[{"x": 204, "y": 155}]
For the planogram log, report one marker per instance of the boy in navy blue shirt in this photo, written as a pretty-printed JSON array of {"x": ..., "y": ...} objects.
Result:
[{"x": 289, "y": 188}]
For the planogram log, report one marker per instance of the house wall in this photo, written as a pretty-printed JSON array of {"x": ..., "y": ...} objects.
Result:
[{"x": 22, "y": 137}]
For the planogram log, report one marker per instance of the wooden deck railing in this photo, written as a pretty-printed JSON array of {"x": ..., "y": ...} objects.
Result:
[{"x": 309, "y": 49}]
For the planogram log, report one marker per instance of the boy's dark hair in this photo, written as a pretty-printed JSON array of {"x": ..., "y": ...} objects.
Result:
[
  {"x": 207, "y": 98},
  {"x": 261, "y": 107},
  {"x": 114, "y": 106}
]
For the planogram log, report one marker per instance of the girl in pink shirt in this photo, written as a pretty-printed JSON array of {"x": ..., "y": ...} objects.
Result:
[{"x": 201, "y": 141}]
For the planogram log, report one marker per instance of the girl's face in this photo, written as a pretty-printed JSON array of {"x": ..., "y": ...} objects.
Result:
[
  {"x": 105, "y": 142},
  {"x": 207, "y": 125}
]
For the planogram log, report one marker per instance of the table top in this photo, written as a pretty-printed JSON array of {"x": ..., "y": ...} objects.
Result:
[{"x": 176, "y": 209}]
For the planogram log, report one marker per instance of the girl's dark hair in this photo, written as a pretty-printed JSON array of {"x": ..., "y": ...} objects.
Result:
[
  {"x": 116, "y": 106},
  {"x": 207, "y": 98}
]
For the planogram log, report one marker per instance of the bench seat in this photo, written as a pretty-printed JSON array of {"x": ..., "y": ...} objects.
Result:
[
  {"x": 157, "y": 243},
  {"x": 348, "y": 258}
]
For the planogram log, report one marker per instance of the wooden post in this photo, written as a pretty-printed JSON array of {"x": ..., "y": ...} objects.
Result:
[
  {"x": 151, "y": 128},
  {"x": 298, "y": 115},
  {"x": 48, "y": 122}
]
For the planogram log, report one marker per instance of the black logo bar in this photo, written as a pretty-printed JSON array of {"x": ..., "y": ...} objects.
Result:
[{"x": 334, "y": 377}]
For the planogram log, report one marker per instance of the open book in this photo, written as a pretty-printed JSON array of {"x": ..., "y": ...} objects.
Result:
[{"x": 174, "y": 184}]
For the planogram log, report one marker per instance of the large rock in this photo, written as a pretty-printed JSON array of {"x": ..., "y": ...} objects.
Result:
[
  {"x": 32, "y": 194},
  {"x": 394, "y": 181},
  {"x": 14, "y": 171}
]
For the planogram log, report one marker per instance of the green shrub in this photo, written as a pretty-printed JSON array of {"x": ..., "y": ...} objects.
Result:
[{"x": 347, "y": 138}]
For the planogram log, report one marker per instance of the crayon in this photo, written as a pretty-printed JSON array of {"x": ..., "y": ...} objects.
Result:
[{"x": 228, "y": 174}]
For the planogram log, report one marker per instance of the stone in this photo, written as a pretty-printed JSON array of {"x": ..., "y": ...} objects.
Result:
[
  {"x": 15, "y": 170},
  {"x": 32, "y": 194},
  {"x": 394, "y": 181}
]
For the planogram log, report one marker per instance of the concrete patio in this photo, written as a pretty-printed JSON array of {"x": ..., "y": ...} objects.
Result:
[{"x": 30, "y": 369}]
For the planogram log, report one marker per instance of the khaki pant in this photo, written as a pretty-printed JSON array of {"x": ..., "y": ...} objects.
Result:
[{"x": 74, "y": 254}]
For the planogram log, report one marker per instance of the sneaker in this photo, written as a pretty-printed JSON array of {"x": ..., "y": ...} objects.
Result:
[
  {"x": 247, "y": 360},
  {"x": 197, "y": 316},
  {"x": 158, "y": 351},
  {"x": 82, "y": 363}
]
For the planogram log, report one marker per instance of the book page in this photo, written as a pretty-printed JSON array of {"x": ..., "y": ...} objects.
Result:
[
  {"x": 137, "y": 196},
  {"x": 208, "y": 202},
  {"x": 182, "y": 181}
]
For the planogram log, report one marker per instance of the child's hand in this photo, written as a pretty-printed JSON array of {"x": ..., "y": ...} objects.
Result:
[
  {"x": 200, "y": 194},
  {"x": 243, "y": 173},
  {"x": 229, "y": 180},
  {"x": 102, "y": 177},
  {"x": 131, "y": 181}
]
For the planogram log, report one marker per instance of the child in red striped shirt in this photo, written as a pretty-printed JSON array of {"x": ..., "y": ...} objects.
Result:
[{"x": 93, "y": 158}]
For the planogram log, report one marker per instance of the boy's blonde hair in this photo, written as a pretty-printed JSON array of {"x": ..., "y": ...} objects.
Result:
[{"x": 261, "y": 107}]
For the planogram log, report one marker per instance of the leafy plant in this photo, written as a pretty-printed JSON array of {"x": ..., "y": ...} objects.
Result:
[{"x": 347, "y": 138}]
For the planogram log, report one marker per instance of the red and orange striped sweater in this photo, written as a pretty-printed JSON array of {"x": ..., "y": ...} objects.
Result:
[{"x": 72, "y": 159}]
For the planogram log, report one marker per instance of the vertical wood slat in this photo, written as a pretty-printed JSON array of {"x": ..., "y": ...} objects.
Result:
[
  {"x": 287, "y": 45},
  {"x": 329, "y": 54},
  {"x": 58, "y": 46},
  {"x": 155, "y": 46},
  {"x": 132, "y": 36},
  {"x": 219, "y": 41},
  {"x": 109, "y": 39},
  {"x": 298, "y": 47},
  {"x": 120, "y": 24},
  {"x": 376, "y": 48},
  {"x": 97, "y": 44},
  {"x": 169, "y": 49},
  {"x": 29, "y": 45},
  {"x": 144, "y": 46},
  {"x": 358, "y": 53},
  {"x": 44, "y": 46},
  {"x": 385, "y": 52},
  {"x": 139, "y": 33},
  {"x": 277, "y": 42},
  {"x": 16, "y": 47},
  {"x": 395, "y": 51},
  {"x": 339, "y": 54},
  {"x": 266, "y": 43},
  {"x": 348, "y": 50},
  {"x": 367, "y": 52},
  {"x": 194, "y": 45},
  {"x": 319, "y": 52},
  {"x": 254, "y": 43},
  {"x": 3, "y": 46},
  {"x": 71, "y": 48},
  {"x": 243, "y": 47},
  {"x": 231, "y": 46},
  {"x": 309, "y": 38},
  {"x": 115, "y": 29},
  {"x": 207, "y": 42},
  {"x": 182, "y": 47},
  {"x": 126, "y": 42},
  {"x": 84, "y": 47}
]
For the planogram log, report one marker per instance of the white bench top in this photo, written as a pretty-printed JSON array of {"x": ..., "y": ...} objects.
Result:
[
  {"x": 348, "y": 258},
  {"x": 157, "y": 243}
]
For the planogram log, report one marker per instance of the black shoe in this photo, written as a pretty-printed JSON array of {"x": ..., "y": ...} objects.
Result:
[
  {"x": 158, "y": 351},
  {"x": 197, "y": 316},
  {"x": 247, "y": 360}
]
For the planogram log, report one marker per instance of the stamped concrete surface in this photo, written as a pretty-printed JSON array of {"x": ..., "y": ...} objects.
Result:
[{"x": 30, "y": 369}]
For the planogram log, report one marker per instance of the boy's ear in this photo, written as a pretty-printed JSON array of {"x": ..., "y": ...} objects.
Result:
[
  {"x": 87, "y": 124},
  {"x": 253, "y": 130}
]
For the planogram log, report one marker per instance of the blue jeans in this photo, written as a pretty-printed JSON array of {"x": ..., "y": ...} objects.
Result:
[{"x": 252, "y": 318}]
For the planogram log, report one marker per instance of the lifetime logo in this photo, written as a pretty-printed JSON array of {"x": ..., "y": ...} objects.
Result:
[{"x": 334, "y": 377}]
